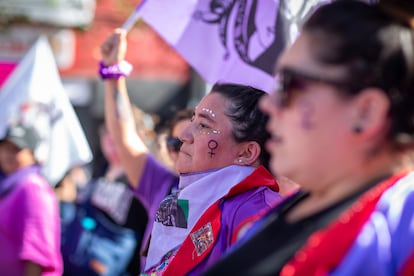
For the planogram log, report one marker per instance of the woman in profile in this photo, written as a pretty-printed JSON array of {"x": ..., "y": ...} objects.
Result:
[{"x": 222, "y": 167}]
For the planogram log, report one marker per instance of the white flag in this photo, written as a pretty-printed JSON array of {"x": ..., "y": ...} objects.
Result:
[
  {"x": 227, "y": 41},
  {"x": 34, "y": 93}
]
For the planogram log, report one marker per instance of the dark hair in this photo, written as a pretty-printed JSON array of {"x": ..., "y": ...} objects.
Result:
[
  {"x": 180, "y": 115},
  {"x": 249, "y": 122},
  {"x": 376, "y": 48}
]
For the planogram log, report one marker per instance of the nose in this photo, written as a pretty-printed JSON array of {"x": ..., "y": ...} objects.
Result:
[
  {"x": 186, "y": 135},
  {"x": 268, "y": 106}
]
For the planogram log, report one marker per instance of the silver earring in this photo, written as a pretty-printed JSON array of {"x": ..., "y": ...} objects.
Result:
[{"x": 240, "y": 160}]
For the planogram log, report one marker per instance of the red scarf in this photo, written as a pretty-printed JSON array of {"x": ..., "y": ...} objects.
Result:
[{"x": 203, "y": 236}]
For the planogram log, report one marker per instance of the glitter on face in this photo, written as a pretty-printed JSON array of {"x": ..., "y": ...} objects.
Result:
[{"x": 209, "y": 111}]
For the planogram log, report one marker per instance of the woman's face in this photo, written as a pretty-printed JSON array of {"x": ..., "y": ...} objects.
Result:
[
  {"x": 108, "y": 147},
  {"x": 207, "y": 141},
  {"x": 178, "y": 128},
  {"x": 12, "y": 158},
  {"x": 309, "y": 120}
]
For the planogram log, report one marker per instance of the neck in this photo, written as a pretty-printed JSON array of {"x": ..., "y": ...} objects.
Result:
[
  {"x": 333, "y": 188},
  {"x": 114, "y": 171}
]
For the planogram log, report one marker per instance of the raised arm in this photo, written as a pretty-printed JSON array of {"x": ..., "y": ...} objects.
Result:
[{"x": 118, "y": 112}]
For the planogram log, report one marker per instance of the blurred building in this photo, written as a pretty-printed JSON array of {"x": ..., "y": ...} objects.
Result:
[{"x": 161, "y": 83}]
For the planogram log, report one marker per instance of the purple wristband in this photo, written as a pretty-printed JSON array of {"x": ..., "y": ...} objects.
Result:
[{"x": 115, "y": 71}]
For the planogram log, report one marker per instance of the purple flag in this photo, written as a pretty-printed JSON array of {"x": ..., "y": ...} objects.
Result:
[{"x": 227, "y": 41}]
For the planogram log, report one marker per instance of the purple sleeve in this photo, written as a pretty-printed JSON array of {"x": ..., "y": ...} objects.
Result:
[
  {"x": 234, "y": 212},
  {"x": 154, "y": 185},
  {"x": 41, "y": 224},
  {"x": 238, "y": 209}
]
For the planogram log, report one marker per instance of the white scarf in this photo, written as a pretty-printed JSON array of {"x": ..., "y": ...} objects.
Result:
[{"x": 200, "y": 190}]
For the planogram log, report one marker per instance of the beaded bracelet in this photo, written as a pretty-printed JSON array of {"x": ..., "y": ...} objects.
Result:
[{"x": 115, "y": 71}]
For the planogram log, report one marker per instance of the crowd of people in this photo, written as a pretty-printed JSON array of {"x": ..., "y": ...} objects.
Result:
[{"x": 314, "y": 178}]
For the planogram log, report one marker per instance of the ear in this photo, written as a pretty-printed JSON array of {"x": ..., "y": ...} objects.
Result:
[
  {"x": 370, "y": 112},
  {"x": 249, "y": 154}
]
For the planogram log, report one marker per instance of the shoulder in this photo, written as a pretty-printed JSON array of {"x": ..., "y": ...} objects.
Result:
[
  {"x": 155, "y": 171},
  {"x": 396, "y": 204},
  {"x": 35, "y": 193},
  {"x": 241, "y": 207},
  {"x": 399, "y": 197},
  {"x": 156, "y": 182},
  {"x": 33, "y": 184}
]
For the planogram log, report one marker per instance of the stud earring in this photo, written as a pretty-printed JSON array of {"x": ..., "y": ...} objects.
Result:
[
  {"x": 357, "y": 129},
  {"x": 240, "y": 160}
]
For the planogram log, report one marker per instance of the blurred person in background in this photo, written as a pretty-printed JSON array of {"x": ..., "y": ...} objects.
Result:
[
  {"x": 157, "y": 178},
  {"x": 29, "y": 221},
  {"x": 149, "y": 177},
  {"x": 152, "y": 174},
  {"x": 116, "y": 221}
]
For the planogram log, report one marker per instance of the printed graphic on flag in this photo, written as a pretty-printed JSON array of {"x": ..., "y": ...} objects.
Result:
[{"x": 228, "y": 41}]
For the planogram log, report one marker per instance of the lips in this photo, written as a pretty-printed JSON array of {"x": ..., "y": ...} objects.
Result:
[
  {"x": 273, "y": 142},
  {"x": 276, "y": 138},
  {"x": 183, "y": 152}
]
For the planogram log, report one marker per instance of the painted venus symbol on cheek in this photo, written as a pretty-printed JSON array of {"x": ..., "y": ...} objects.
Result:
[
  {"x": 212, "y": 145},
  {"x": 306, "y": 110}
]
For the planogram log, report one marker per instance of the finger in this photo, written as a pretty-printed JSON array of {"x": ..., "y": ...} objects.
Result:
[{"x": 120, "y": 31}]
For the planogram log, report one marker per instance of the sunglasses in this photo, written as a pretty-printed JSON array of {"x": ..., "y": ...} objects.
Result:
[
  {"x": 289, "y": 80},
  {"x": 173, "y": 143}
]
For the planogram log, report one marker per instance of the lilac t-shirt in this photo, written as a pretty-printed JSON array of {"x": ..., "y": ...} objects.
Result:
[
  {"x": 155, "y": 184},
  {"x": 29, "y": 225},
  {"x": 235, "y": 211}
]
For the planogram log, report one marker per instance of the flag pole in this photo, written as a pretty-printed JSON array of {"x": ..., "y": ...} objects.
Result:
[{"x": 133, "y": 17}]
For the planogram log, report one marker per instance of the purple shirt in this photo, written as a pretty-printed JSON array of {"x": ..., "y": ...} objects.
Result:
[
  {"x": 155, "y": 184},
  {"x": 29, "y": 224},
  {"x": 235, "y": 211}
]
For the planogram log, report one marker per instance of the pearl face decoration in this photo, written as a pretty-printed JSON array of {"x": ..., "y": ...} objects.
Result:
[{"x": 209, "y": 111}]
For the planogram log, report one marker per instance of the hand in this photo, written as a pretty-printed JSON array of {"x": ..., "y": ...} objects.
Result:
[{"x": 113, "y": 50}]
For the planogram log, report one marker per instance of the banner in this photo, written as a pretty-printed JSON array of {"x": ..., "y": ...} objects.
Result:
[
  {"x": 230, "y": 41},
  {"x": 34, "y": 95}
]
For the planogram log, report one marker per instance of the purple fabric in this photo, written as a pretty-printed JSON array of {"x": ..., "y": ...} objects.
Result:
[
  {"x": 235, "y": 211},
  {"x": 248, "y": 59},
  {"x": 383, "y": 246},
  {"x": 155, "y": 184},
  {"x": 386, "y": 242},
  {"x": 29, "y": 225}
]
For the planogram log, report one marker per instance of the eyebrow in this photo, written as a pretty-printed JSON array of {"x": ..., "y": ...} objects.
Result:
[{"x": 206, "y": 116}]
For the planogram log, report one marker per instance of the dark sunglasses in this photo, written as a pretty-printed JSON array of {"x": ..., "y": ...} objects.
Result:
[
  {"x": 173, "y": 143},
  {"x": 289, "y": 80}
]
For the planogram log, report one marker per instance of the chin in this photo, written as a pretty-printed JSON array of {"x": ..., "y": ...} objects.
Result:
[
  {"x": 7, "y": 171},
  {"x": 274, "y": 168},
  {"x": 180, "y": 168}
]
